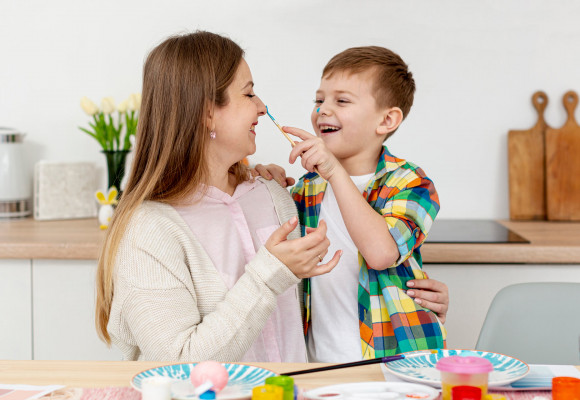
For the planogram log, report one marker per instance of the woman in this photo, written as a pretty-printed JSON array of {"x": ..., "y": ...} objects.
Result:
[{"x": 200, "y": 262}]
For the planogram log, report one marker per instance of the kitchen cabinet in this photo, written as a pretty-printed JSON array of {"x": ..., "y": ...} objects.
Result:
[
  {"x": 15, "y": 309},
  {"x": 64, "y": 309},
  {"x": 47, "y": 311}
]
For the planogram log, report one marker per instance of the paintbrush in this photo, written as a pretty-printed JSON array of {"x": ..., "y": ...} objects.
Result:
[
  {"x": 347, "y": 365},
  {"x": 279, "y": 127},
  {"x": 292, "y": 142}
]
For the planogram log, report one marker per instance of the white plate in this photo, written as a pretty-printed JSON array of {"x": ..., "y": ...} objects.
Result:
[
  {"x": 242, "y": 379},
  {"x": 419, "y": 366},
  {"x": 373, "y": 390}
]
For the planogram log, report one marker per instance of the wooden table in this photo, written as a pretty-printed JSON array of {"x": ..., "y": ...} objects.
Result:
[
  {"x": 87, "y": 374},
  {"x": 103, "y": 374}
]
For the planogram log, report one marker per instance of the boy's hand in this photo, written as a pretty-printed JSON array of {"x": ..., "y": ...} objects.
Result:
[
  {"x": 430, "y": 294},
  {"x": 314, "y": 153},
  {"x": 273, "y": 171},
  {"x": 304, "y": 255}
]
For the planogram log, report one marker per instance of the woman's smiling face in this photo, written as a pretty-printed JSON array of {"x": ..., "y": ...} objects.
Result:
[{"x": 234, "y": 123}]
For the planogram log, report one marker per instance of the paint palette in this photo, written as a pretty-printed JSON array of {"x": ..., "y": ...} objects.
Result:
[
  {"x": 419, "y": 366},
  {"x": 242, "y": 378},
  {"x": 373, "y": 390}
]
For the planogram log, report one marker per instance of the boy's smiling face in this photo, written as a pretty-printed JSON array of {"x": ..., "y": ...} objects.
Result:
[{"x": 346, "y": 115}]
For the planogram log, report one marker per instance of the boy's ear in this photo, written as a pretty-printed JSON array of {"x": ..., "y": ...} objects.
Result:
[{"x": 392, "y": 118}]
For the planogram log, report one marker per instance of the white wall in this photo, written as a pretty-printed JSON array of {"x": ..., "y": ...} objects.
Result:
[{"x": 476, "y": 64}]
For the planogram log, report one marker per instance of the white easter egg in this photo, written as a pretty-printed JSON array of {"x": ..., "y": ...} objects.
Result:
[{"x": 105, "y": 214}]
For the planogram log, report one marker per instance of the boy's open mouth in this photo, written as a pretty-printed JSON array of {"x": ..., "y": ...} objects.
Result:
[{"x": 328, "y": 129}]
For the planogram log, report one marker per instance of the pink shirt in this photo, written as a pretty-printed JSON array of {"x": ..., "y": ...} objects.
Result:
[{"x": 231, "y": 229}]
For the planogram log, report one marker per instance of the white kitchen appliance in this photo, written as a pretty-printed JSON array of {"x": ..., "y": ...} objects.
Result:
[{"x": 15, "y": 183}]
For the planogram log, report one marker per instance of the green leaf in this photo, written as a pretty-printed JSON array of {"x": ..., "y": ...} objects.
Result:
[
  {"x": 94, "y": 136},
  {"x": 87, "y": 131},
  {"x": 113, "y": 133}
]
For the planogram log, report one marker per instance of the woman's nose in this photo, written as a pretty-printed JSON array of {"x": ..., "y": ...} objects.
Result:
[{"x": 261, "y": 106}]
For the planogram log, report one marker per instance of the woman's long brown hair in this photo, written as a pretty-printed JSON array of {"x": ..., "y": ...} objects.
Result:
[{"x": 183, "y": 79}]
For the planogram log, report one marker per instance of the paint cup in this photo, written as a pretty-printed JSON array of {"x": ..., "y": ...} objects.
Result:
[
  {"x": 267, "y": 392},
  {"x": 207, "y": 395},
  {"x": 565, "y": 388},
  {"x": 156, "y": 388},
  {"x": 285, "y": 382},
  {"x": 465, "y": 393},
  {"x": 463, "y": 371}
]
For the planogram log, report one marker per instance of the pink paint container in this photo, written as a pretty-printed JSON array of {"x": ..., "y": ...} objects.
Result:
[{"x": 463, "y": 371}]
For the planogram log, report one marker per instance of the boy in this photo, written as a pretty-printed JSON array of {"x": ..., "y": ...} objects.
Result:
[{"x": 364, "y": 95}]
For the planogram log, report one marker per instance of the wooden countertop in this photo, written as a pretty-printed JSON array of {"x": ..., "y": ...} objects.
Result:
[
  {"x": 78, "y": 239},
  {"x": 119, "y": 373},
  {"x": 551, "y": 243}
]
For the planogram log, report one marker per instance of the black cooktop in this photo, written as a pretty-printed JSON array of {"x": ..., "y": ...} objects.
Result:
[{"x": 471, "y": 231}]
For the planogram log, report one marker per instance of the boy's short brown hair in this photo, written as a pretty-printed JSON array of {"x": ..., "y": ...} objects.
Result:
[{"x": 394, "y": 84}]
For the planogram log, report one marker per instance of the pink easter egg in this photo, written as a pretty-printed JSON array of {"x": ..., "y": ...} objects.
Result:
[{"x": 210, "y": 371}]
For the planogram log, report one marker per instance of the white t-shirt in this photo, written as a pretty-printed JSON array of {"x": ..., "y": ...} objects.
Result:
[{"x": 334, "y": 334}]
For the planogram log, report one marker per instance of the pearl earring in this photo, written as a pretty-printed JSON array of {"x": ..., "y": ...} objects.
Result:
[{"x": 212, "y": 134}]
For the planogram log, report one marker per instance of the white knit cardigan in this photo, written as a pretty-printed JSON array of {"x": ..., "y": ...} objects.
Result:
[{"x": 171, "y": 304}]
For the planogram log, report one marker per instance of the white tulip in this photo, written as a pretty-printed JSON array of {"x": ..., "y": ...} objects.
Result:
[
  {"x": 134, "y": 102},
  {"x": 122, "y": 107},
  {"x": 138, "y": 98},
  {"x": 108, "y": 105},
  {"x": 88, "y": 106}
]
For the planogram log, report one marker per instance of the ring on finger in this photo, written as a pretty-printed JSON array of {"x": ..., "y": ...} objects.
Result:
[{"x": 320, "y": 257}]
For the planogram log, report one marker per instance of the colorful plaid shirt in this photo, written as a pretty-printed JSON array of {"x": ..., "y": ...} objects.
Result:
[{"x": 390, "y": 321}]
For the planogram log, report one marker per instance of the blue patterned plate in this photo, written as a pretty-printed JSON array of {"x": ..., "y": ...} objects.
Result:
[
  {"x": 419, "y": 366},
  {"x": 242, "y": 379}
]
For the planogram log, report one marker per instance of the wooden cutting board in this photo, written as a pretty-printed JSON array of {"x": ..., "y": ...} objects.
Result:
[
  {"x": 563, "y": 166},
  {"x": 526, "y": 167}
]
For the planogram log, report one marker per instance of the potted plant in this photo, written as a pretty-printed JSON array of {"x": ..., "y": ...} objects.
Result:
[{"x": 113, "y": 132}]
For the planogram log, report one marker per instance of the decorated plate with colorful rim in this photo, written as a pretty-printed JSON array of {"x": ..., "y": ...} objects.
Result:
[
  {"x": 242, "y": 379},
  {"x": 373, "y": 390},
  {"x": 419, "y": 366}
]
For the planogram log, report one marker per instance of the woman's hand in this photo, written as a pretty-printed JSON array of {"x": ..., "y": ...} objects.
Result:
[
  {"x": 273, "y": 171},
  {"x": 430, "y": 294},
  {"x": 302, "y": 256}
]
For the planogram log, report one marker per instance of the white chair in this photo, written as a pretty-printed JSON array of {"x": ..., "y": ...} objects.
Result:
[{"x": 538, "y": 323}]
